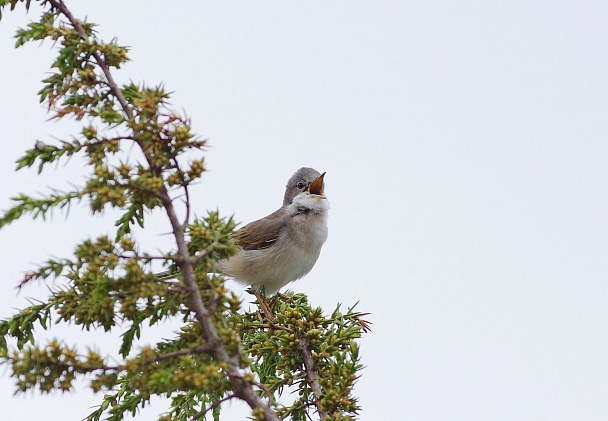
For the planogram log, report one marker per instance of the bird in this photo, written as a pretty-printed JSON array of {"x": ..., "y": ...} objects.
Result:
[{"x": 285, "y": 245}]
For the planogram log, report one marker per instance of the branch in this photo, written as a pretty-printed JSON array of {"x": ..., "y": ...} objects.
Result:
[
  {"x": 303, "y": 349},
  {"x": 191, "y": 351},
  {"x": 185, "y": 186},
  {"x": 213, "y": 406},
  {"x": 268, "y": 326},
  {"x": 202, "y": 253},
  {"x": 311, "y": 372},
  {"x": 143, "y": 257},
  {"x": 242, "y": 388},
  {"x": 187, "y": 218},
  {"x": 197, "y": 257}
]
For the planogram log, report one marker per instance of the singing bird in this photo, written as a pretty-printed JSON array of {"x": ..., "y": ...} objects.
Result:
[{"x": 285, "y": 245}]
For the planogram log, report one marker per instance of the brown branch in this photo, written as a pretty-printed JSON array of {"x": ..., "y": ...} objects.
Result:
[
  {"x": 242, "y": 388},
  {"x": 311, "y": 372},
  {"x": 304, "y": 350}
]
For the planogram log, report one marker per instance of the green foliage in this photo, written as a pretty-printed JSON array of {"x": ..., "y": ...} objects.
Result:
[
  {"x": 140, "y": 158},
  {"x": 13, "y": 4},
  {"x": 37, "y": 207},
  {"x": 21, "y": 326},
  {"x": 277, "y": 360},
  {"x": 53, "y": 367}
]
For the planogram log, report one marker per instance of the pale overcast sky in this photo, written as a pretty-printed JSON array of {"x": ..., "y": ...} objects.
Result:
[{"x": 466, "y": 150}]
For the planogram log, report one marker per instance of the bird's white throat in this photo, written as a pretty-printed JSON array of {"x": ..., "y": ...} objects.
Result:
[{"x": 309, "y": 202}]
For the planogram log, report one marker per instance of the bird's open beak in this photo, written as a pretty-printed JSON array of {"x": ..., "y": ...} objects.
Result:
[{"x": 316, "y": 187}]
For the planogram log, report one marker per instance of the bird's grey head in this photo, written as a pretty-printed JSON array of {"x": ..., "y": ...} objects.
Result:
[{"x": 299, "y": 182}]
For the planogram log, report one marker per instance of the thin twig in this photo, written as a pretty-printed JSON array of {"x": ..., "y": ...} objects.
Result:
[
  {"x": 109, "y": 139},
  {"x": 266, "y": 391},
  {"x": 213, "y": 406},
  {"x": 187, "y": 218},
  {"x": 191, "y": 351},
  {"x": 365, "y": 324},
  {"x": 198, "y": 256},
  {"x": 268, "y": 326},
  {"x": 187, "y": 193},
  {"x": 143, "y": 257},
  {"x": 201, "y": 254}
]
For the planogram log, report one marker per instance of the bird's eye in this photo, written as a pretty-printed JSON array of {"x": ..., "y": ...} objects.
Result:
[{"x": 301, "y": 185}]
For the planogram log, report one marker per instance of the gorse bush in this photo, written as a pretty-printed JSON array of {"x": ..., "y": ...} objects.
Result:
[{"x": 141, "y": 158}]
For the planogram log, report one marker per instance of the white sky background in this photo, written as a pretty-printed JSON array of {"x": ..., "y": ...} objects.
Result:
[{"x": 465, "y": 145}]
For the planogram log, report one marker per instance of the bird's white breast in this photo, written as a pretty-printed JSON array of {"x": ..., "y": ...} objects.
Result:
[{"x": 307, "y": 232}]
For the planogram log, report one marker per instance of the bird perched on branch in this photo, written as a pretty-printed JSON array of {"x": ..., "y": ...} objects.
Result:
[{"x": 285, "y": 245}]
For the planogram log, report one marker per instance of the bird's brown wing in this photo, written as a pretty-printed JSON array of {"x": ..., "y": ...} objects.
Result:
[{"x": 260, "y": 234}]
